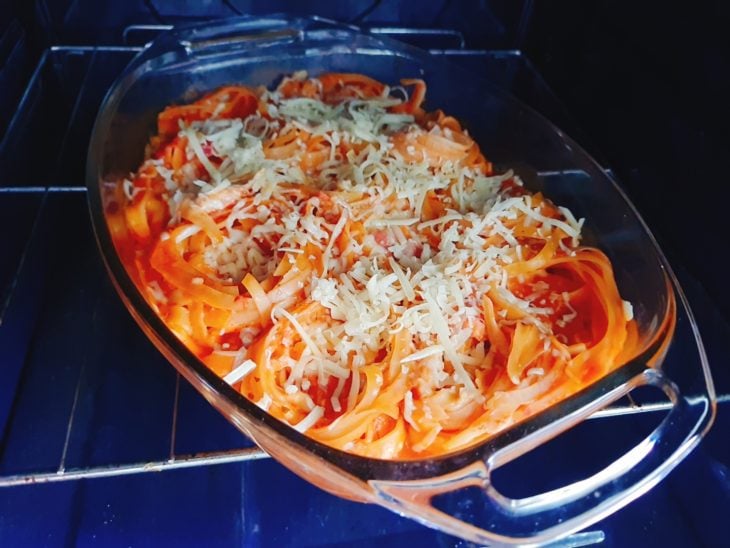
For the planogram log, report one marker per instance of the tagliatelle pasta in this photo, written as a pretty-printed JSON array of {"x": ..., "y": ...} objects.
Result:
[{"x": 352, "y": 263}]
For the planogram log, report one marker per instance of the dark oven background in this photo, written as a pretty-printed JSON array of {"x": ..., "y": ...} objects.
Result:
[{"x": 642, "y": 85}]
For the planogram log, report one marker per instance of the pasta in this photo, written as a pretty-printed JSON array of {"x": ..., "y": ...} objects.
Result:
[{"x": 352, "y": 264}]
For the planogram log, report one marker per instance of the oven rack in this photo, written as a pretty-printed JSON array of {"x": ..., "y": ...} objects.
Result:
[{"x": 84, "y": 394}]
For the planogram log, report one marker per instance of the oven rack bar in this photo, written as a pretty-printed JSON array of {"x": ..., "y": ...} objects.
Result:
[{"x": 232, "y": 456}]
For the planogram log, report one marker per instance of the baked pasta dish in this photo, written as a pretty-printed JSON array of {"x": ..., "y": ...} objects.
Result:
[{"x": 355, "y": 265}]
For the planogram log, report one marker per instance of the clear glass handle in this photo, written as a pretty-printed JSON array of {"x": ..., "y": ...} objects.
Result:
[
  {"x": 234, "y": 34},
  {"x": 274, "y": 36},
  {"x": 550, "y": 515}
]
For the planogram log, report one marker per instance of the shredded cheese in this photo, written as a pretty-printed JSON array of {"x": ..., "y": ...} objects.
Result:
[
  {"x": 310, "y": 420},
  {"x": 240, "y": 372}
]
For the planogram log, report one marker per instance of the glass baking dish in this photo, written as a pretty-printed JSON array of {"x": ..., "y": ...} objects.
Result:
[{"x": 185, "y": 62}]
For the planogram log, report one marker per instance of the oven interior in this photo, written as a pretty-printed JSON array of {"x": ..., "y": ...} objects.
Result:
[{"x": 85, "y": 395}]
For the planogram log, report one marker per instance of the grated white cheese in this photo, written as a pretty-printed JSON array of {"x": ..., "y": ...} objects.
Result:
[
  {"x": 310, "y": 420},
  {"x": 628, "y": 310},
  {"x": 265, "y": 402},
  {"x": 197, "y": 148},
  {"x": 424, "y": 353},
  {"x": 311, "y": 346},
  {"x": 240, "y": 372},
  {"x": 408, "y": 409}
]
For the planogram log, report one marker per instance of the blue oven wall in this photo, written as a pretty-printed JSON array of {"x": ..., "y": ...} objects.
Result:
[{"x": 68, "y": 346}]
